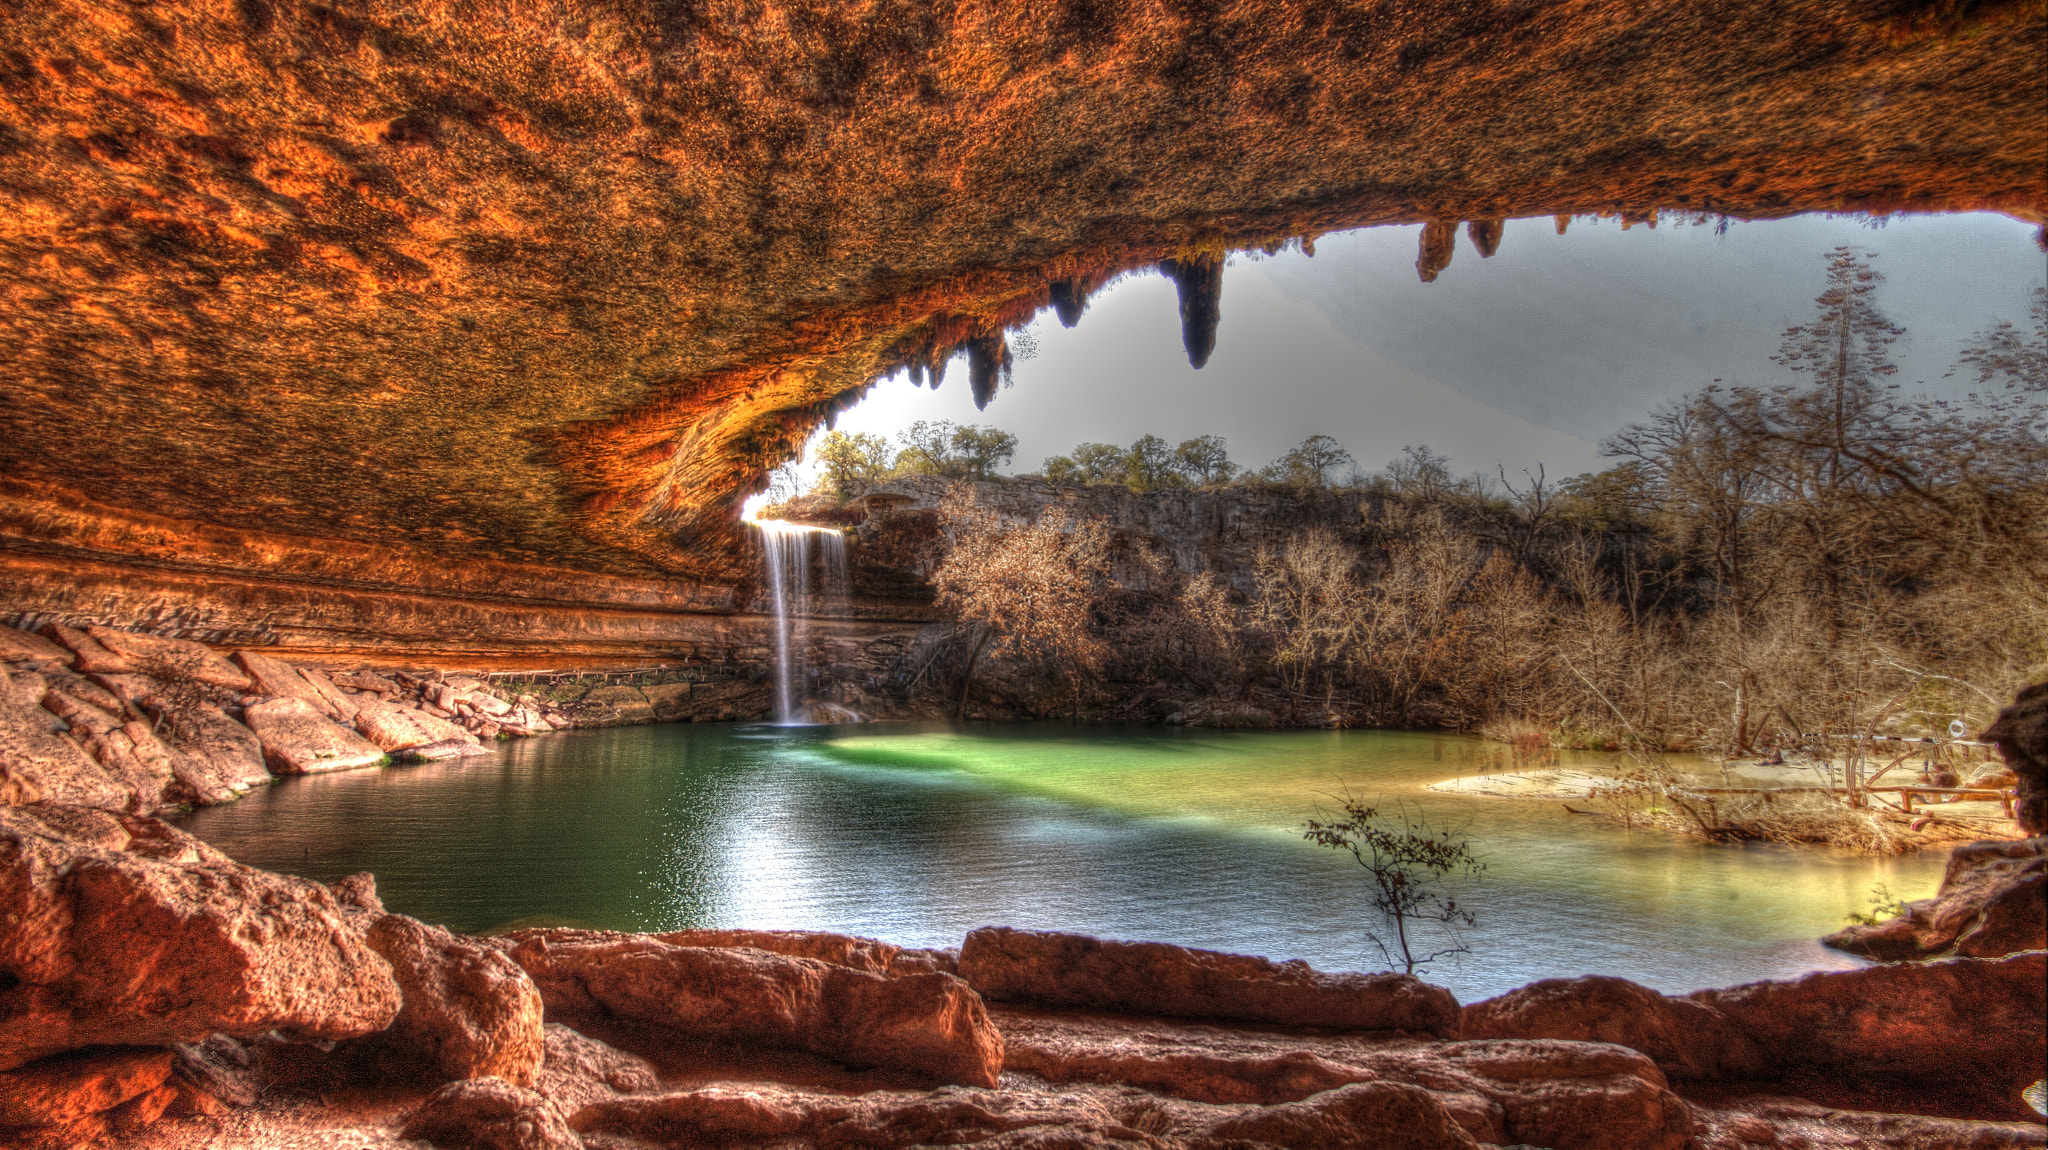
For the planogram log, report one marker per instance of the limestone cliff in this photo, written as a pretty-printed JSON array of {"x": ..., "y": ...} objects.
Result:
[{"x": 348, "y": 314}]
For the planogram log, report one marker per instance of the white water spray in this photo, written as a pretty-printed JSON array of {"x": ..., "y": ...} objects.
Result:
[{"x": 789, "y": 548}]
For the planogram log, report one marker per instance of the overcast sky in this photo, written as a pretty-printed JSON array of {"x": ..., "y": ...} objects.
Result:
[{"x": 1531, "y": 356}]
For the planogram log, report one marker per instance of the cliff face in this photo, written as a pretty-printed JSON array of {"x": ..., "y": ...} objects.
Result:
[{"x": 458, "y": 298}]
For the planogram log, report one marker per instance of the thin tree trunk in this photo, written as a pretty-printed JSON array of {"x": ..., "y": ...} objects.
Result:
[{"x": 967, "y": 676}]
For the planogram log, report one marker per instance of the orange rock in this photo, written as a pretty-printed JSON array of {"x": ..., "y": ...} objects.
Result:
[
  {"x": 839, "y": 949},
  {"x": 490, "y": 1114},
  {"x": 932, "y": 1024},
  {"x": 126, "y": 931},
  {"x": 171, "y": 658},
  {"x": 297, "y": 739},
  {"x": 400, "y": 728},
  {"x": 1364, "y": 1116},
  {"x": 1687, "y": 1039},
  {"x": 38, "y": 762},
  {"x": 278, "y": 678},
  {"x": 61, "y": 1090},
  {"x": 1970, "y": 1026},
  {"x": 578, "y": 1070},
  {"x": 1993, "y": 902},
  {"x": 1154, "y": 978},
  {"x": 88, "y": 655},
  {"x": 19, "y": 646},
  {"x": 468, "y": 1011}
]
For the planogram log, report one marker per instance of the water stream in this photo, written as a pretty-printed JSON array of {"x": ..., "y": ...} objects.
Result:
[
  {"x": 791, "y": 550},
  {"x": 919, "y": 833}
]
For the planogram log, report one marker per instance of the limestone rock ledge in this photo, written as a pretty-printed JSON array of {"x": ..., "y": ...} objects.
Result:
[
  {"x": 138, "y": 723},
  {"x": 381, "y": 1029}
]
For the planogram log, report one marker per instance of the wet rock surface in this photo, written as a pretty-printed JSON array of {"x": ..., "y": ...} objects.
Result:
[{"x": 1155, "y": 978}]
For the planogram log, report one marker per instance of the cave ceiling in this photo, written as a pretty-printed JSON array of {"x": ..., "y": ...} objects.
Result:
[{"x": 521, "y": 282}]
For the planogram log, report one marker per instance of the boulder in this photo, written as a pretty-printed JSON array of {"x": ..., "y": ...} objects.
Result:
[
  {"x": 1971, "y": 1026},
  {"x": 1687, "y": 1039},
  {"x": 578, "y": 1070},
  {"x": 1586, "y": 1095},
  {"x": 68, "y": 1088},
  {"x": 395, "y": 728},
  {"x": 773, "y": 1115},
  {"x": 216, "y": 1073},
  {"x": 490, "y": 1114},
  {"x": 39, "y": 762},
  {"x": 1155, "y": 978},
  {"x": 172, "y": 658},
  {"x": 280, "y": 679},
  {"x": 466, "y": 1011},
  {"x": 298, "y": 740},
  {"x": 19, "y": 646},
  {"x": 931, "y": 1024},
  {"x": 1362, "y": 1116},
  {"x": 124, "y": 930},
  {"x": 1993, "y": 902},
  {"x": 2021, "y": 735}
]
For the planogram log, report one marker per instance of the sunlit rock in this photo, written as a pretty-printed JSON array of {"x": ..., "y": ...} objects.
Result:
[
  {"x": 126, "y": 931},
  {"x": 1993, "y": 902},
  {"x": 466, "y": 1010},
  {"x": 298, "y": 740},
  {"x": 932, "y": 1024},
  {"x": 1155, "y": 978}
]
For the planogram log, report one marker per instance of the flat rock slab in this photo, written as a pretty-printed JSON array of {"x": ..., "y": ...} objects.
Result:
[
  {"x": 1155, "y": 978},
  {"x": 39, "y": 762},
  {"x": 298, "y": 740},
  {"x": 931, "y": 1024},
  {"x": 123, "y": 930},
  {"x": 402, "y": 728},
  {"x": 172, "y": 658}
]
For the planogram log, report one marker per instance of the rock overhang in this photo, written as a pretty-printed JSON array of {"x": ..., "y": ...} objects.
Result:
[{"x": 460, "y": 295}]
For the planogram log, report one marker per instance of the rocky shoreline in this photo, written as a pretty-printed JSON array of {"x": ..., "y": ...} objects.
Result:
[
  {"x": 168, "y": 997},
  {"x": 157, "y": 995},
  {"x": 138, "y": 723}
]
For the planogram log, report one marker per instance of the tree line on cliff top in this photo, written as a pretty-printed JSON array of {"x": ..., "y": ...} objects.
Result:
[
  {"x": 853, "y": 462},
  {"x": 1762, "y": 565}
]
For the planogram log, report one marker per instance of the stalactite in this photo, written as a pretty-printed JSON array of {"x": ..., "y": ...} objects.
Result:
[
  {"x": 1200, "y": 281},
  {"x": 1069, "y": 300},
  {"x": 1562, "y": 222},
  {"x": 1438, "y": 238},
  {"x": 988, "y": 357},
  {"x": 1485, "y": 235}
]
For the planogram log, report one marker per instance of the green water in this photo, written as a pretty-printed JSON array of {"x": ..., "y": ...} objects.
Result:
[{"x": 919, "y": 834}]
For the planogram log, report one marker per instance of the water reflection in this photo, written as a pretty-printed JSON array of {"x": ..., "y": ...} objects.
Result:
[{"x": 918, "y": 835}]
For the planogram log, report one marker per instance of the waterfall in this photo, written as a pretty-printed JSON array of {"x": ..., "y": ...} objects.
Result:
[{"x": 789, "y": 549}]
